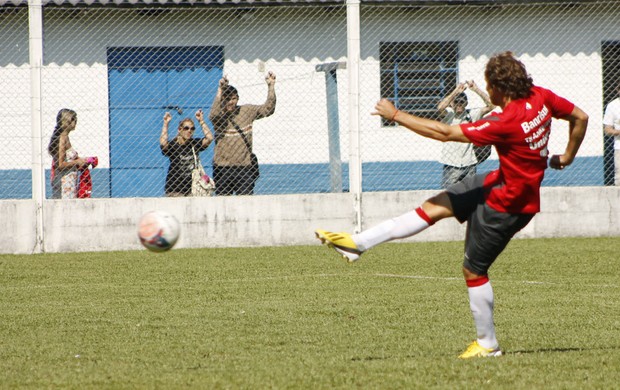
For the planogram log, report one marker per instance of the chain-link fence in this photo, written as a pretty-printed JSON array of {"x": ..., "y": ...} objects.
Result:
[{"x": 121, "y": 66}]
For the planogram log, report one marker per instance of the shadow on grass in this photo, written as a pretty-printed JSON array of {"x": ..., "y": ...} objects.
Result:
[
  {"x": 515, "y": 352},
  {"x": 543, "y": 350}
]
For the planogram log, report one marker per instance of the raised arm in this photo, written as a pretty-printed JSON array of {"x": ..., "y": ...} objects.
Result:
[
  {"x": 163, "y": 137},
  {"x": 216, "y": 106},
  {"x": 270, "y": 104},
  {"x": 488, "y": 106},
  {"x": 208, "y": 136},
  {"x": 445, "y": 102},
  {"x": 424, "y": 127},
  {"x": 577, "y": 125}
]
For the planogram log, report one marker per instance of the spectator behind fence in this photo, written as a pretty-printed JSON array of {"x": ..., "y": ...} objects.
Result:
[
  {"x": 65, "y": 159},
  {"x": 235, "y": 167},
  {"x": 459, "y": 159},
  {"x": 497, "y": 204},
  {"x": 180, "y": 150},
  {"x": 611, "y": 125}
]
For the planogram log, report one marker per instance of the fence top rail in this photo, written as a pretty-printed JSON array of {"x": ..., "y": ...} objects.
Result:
[
  {"x": 257, "y": 3},
  {"x": 167, "y": 3}
]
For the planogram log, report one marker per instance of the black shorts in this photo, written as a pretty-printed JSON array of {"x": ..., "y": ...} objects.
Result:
[{"x": 488, "y": 230}]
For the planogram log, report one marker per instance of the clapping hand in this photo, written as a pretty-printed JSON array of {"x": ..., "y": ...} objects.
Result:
[
  {"x": 224, "y": 82},
  {"x": 472, "y": 85},
  {"x": 200, "y": 116},
  {"x": 167, "y": 118}
]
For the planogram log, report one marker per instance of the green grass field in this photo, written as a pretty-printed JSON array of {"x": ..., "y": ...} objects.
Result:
[{"x": 298, "y": 317}]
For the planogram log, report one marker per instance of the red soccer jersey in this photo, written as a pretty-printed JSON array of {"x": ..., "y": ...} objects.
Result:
[{"x": 520, "y": 135}]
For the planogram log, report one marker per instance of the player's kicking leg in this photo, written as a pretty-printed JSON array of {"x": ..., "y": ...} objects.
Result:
[
  {"x": 341, "y": 242},
  {"x": 351, "y": 247}
]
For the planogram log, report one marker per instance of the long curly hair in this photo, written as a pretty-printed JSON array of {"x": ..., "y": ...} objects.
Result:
[
  {"x": 508, "y": 75},
  {"x": 63, "y": 117}
]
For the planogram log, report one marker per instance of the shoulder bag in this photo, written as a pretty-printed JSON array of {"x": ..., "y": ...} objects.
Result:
[
  {"x": 202, "y": 184},
  {"x": 482, "y": 152},
  {"x": 254, "y": 169}
]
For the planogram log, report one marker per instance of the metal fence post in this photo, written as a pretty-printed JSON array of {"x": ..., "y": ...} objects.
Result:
[
  {"x": 35, "y": 39},
  {"x": 333, "y": 127},
  {"x": 353, "y": 59}
]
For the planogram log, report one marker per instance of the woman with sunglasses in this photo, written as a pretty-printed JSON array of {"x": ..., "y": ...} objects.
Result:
[
  {"x": 65, "y": 160},
  {"x": 180, "y": 150}
]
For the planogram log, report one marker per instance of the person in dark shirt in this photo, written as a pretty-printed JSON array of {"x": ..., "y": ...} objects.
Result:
[{"x": 180, "y": 150}]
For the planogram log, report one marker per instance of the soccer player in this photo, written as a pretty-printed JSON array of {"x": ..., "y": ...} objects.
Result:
[{"x": 497, "y": 204}]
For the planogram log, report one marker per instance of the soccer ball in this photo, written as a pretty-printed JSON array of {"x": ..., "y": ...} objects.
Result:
[{"x": 158, "y": 231}]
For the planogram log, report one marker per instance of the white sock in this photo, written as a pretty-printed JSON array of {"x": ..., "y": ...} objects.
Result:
[
  {"x": 403, "y": 226},
  {"x": 481, "y": 305}
]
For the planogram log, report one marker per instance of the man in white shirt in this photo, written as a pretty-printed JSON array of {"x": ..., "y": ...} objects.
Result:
[
  {"x": 459, "y": 159},
  {"x": 611, "y": 126}
]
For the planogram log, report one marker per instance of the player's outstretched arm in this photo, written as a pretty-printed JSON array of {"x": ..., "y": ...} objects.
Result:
[
  {"x": 425, "y": 127},
  {"x": 578, "y": 123}
]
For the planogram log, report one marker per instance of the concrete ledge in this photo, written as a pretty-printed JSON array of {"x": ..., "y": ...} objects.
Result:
[
  {"x": 111, "y": 224},
  {"x": 18, "y": 218}
]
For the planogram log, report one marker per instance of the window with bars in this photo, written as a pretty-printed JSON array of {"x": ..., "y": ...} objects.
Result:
[
  {"x": 417, "y": 75},
  {"x": 610, "y": 51}
]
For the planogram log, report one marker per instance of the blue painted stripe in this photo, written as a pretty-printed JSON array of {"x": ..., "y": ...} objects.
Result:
[{"x": 315, "y": 178}]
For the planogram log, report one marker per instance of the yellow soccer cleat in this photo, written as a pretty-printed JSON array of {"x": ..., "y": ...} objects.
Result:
[
  {"x": 341, "y": 243},
  {"x": 476, "y": 350}
]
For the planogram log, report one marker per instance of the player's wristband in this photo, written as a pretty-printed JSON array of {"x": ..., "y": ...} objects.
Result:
[{"x": 394, "y": 116}]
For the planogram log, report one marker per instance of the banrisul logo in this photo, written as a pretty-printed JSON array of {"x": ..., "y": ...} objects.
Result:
[{"x": 534, "y": 123}]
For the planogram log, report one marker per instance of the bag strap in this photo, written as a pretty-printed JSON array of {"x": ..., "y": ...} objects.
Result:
[
  {"x": 247, "y": 143},
  {"x": 197, "y": 162}
]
